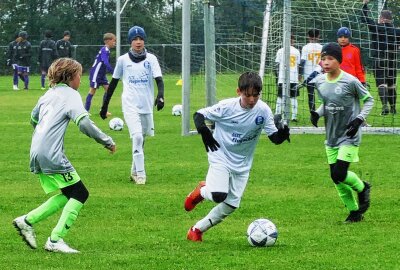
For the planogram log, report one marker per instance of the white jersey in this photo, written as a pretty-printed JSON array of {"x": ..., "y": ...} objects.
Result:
[
  {"x": 311, "y": 53},
  {"x": 138, "y": 80},
  {"x": 294, "y": 64},
  {"x": 237, "y": 131}
]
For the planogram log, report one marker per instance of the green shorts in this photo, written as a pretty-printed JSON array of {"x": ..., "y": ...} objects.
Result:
[
  {"x": 53, "y": 182},
  {"x": 347, "y": 153}
]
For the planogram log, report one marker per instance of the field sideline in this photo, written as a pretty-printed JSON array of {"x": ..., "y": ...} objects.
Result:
[{"x": 124, "y": 226}]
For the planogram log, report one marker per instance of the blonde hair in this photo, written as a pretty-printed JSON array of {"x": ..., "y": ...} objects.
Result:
[
  {"x": 108, "y": 36},
  {"x": 63, "y": 70}
]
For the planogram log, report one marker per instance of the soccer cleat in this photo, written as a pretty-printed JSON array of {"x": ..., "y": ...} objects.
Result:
[
  {"x": 363, "y": 198},
  {"x": 59, "y": 246},
  {"x": 194, "y": 235},
  {"x": 26, "y": 231},
  {"x": 15, "y": 87},
  {"x": 42, "y": 88},
  {"x": 133, "y": 177},
  {"x": 354, "y": 216},
  {"x": 194, "y": 197},
  {"x": 140, "y": 180},
  {"x": 385, "y": 111}
]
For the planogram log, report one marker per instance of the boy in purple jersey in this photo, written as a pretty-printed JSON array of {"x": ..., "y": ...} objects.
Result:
[
  {"x": 99, "y": 69},
  {"x": 238, "y": 125},
  {"x": 12, "y": 61},
  {"x": 23, "y": 58}
]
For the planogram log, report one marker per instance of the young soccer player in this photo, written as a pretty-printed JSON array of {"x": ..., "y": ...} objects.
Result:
[
  {"x": 351, "y": 62},
  {"x": 50, "y": 118},
  {"x": 341, "y": 94},
  {"x": 12, "y": 61},
  {"x": 101, "y": 66},
  {"x": 64, "y": 45},
  {"x": 47, "y": 54},
  {"x": 137, "y": 69},
  {"x": 294, "y": 79},
  {"x": 23, "y": 57},
  {"x": 310, "y": 58},
  {"x": 238, "y": 125}
]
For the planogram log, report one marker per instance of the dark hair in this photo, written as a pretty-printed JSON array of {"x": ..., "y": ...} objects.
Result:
[
  {"x": 313, "y": 33},
  {"x": 386, "y": 14},
  {"x": 250, "y": 80},
  {"x": 67, "y": 33},
  {"x": 48, "y": 33}
]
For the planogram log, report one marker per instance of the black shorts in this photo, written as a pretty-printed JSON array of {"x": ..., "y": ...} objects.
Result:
[
  {"x": 293, "y": 90},
  {"x": 385, "y": 72}
]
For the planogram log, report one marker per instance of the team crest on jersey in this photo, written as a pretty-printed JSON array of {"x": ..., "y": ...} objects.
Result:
[
  {"x": 338, "y": 90},
  {"x": 260, "y": 120},
  {"x": 146, "y": 64}
]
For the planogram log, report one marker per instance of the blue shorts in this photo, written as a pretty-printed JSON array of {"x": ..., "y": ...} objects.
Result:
[
  {"x": 97, "y": 82},
  {"x": 23, "y": 69}
]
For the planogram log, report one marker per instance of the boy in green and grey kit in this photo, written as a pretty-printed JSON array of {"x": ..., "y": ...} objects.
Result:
[{"x": 340, "y": 94}]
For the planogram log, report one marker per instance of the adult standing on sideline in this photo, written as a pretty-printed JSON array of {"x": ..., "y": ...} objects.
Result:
[
  {"x": 23, "y": 57},
  {"x": 64, "y": 45},
  {"x": 47, "y": 54},
  {"x": 12, "y": 59}
]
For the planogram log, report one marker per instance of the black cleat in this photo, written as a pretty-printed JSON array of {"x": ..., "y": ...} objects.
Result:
[
  {"x": 354, "y": 216},
  {"x": 363, "y": 198},
  {"x": 385, "y": 111}
]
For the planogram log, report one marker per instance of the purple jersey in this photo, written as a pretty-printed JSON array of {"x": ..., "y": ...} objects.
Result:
[{"x": 100, "y": 67}]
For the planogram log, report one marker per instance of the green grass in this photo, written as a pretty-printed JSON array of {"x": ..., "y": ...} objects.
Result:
[{"x": 124, "y": 226}]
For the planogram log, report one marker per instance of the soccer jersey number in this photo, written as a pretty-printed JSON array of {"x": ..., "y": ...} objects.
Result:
[
  {"x": 292, "y": 61},
  {"x": 314, "y": 57},
  {"x": 67, "y": 176}
]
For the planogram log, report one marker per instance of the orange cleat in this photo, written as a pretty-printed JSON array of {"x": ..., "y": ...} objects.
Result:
[
  {"x": 194, "y": 197},
  {"x": 194, "y": 235}
]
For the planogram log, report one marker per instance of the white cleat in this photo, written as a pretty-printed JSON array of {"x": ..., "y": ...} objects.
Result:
[
  {"x": 26, "y": 231},
  {"x": 59, "y": 246},
  {"x": 15, "y": 87},
  {"x": 140, "y": 180},
  {"x": 133, "y": 177}
]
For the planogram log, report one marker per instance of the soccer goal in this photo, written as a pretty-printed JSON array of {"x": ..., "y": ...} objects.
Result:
[{"x": 252, "y": 44}]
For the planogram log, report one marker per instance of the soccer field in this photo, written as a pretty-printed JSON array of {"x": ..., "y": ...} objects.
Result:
[{"x": 126, "y": 226}]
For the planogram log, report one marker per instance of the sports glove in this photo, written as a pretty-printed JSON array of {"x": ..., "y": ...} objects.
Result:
[
  {"x": 8, "y": 62},
  {"x": 353, "y": 127},
  {"x": 314, "y": 117},
  {"x": 209, "y": 142},
  {"x": 284, "y": 133},
  {"x": 159, "y": 102}
]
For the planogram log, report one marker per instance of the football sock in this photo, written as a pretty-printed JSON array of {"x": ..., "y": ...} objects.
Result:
[
  {"x": 88, "y": 102},
  {"x": 206, "y": 194},
  {"x": 293, "y": 102},
  {"x": 15, "y": 78},
  {"x": 137, "y": 153},
  {"x": 278, "y": 109},
  {"x": 43, "y": 79},
  {"x": 354, "y": 181},
  {"x": 26, "y": 81},
  {"x": 68, "y": 216},
  {"x": 52, "y": 205},
  {"x": 216, "y": 215},
  {"x": 347, "y": 196}
]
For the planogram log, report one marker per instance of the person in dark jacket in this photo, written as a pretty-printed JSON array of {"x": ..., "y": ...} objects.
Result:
[
  {"x": 11, "y": 59},
  {"x": 64, "y": 45},
  {"x": 23, "y": 57},
  {"x": 47, "y": 54}
]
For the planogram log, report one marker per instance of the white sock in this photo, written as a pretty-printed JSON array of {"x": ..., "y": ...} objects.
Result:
[
  {"x": 278, "y": 109},
  {"x": 137, "y": 154},
  {"x": 206, "y": 194},
  {"x": 293, "y": 102},
  {"x": 215, "y": 216}
]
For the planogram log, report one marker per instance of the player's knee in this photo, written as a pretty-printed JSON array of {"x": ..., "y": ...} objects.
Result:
[
  {"x": 338, "y": 176},
  {"x": 219, "y": 197},
  {"x": 137, "y": 140},
  {"x": 77, "y": 191}
]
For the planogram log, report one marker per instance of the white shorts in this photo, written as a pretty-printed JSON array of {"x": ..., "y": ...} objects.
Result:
[
  {"x": 221, "y": 179},
  {"x": 139, "y": 123}
]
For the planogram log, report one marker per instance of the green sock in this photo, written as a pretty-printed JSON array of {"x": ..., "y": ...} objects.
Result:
[
  {"x": 52, "y": 205},
  {"x": 68, "y": 216},
  {"x": 354, "y": 181},
  {"x": 347, "y": 196}
]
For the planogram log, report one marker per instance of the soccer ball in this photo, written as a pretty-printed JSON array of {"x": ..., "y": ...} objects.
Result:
[
  {"x": 177, "y": 110},
  {"x": 116, "y": 124},
  {"x": 262, "y": 233}
]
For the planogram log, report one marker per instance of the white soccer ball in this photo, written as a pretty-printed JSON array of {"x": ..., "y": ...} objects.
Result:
[
  {"x": 177, "y": 110},
  {"x": 262, "y": 233},
  {"x": 116, "y": 124}
]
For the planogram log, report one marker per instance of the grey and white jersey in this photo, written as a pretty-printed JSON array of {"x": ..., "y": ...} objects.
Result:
[
  {"x": 237, "y": 131},
  {"x": 51, "y": 116},
  {"x": 341, "y": 104}
]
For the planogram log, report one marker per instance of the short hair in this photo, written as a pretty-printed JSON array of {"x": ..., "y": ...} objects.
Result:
[
  {"x": 250, "y": 80},
  {"x": 387, "y": 15},
  {"x": 108, "y": 36},
  {"x": 313, "y": 33},
  {"x": 48, "y": 33},
  {"x": 66, "y": 33},
  {"x": 63, "y": 70}
]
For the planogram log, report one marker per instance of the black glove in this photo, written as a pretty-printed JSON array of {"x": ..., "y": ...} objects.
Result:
[
  {"x": 209, "y": 142},
  {"x": 159, "y": 102},
  {"x": 284, "y": 133},
  {"x": 353, "y": 127},
  {"x": 8, "y": 62},
  {"x": 103, "y": 111},
  {"x": 314, "y": 117}
]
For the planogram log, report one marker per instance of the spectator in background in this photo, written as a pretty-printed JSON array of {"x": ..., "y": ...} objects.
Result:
[
  {"x": 23, "y": 57},
  {"x": 12, "y": 61},
  {"x": 384, "y": 41},
  {"x": 47, "y": 54},
  {"x": 64, "y": 45}
]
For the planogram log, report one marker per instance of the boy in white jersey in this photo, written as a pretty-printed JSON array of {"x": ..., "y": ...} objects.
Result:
[
  {"x": 137, "y": 69},
  {"x": 50, "y": 118},
  {"x": 294, "y": 79},
  {"x": 310, "y": 58},
  {"x": 340, "y": 93},
  {"x": 238, "y": 125}
]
